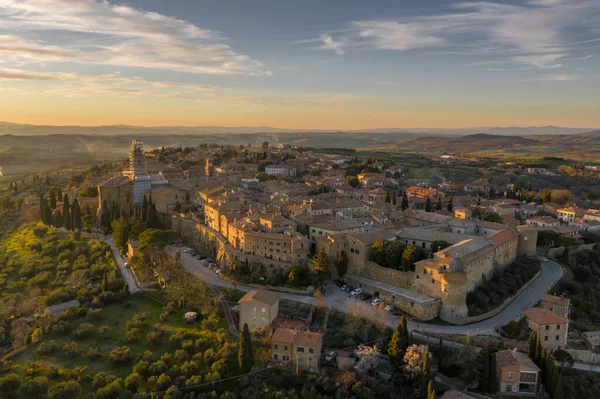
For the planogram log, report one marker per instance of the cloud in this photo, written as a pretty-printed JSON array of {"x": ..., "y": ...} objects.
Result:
[
  {"x": 486, "y": 28},
  {"x": 330, "y": 44},
  {"x": 104, "y": 33},
  {"x": 111, "y": 85},
  {"x": 544, "y": 61},
  {"x": 561, "y": 78}
]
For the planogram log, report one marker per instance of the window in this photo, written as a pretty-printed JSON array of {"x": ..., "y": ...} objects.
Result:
[
  {"x": 558, "y": 326},
  {"x": 547, "y": 328},
  {"x": 432, "y": 281},
  {"x": 285, "y": 347},
  {"x": 276, "y": 346},
  {"x": 275, "y": 356},
  {"x": 300, "y": 349},
  {"x": 546, "y": 338},
  {"x": 356, "y": 252},
  {"x": 510, "y": 375},
  {"x": 264, "y": 310},
  {"x": 311, "y": 350},
  {"x": 557, "y": 337}
]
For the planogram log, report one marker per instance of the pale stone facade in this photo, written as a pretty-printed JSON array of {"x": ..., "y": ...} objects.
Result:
[
  {"x": 258, "y": 309},
  {"x": 300, "y": 349}
]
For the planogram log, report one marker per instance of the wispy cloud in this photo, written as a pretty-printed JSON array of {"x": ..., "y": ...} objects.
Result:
[
  {"x": 112, "y": 84},
  {"x": 544, "y": 61},
  {"x": 561, "y": 77},
  {"x": 537, "y": 32},
  {"x": 104, "y": 33}
]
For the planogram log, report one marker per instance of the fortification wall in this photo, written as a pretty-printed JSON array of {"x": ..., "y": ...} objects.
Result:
[
  {"x": 421, "y": 310},
  {"x": 390, "y": 276}
]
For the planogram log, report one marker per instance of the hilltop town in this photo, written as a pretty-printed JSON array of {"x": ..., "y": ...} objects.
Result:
[{"x": 323, "y": 251}]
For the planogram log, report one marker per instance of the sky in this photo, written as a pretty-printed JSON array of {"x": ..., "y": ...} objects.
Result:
[{"x": 307, "y": 64}]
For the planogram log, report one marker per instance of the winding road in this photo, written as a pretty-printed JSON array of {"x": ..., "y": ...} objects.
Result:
[{"x": 551, "y": 272}]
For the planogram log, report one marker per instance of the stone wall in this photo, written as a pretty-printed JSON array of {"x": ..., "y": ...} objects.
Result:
[
  {"x": 390, "y": 276},
  {"x": 585, "y": 356},
  {"x": 421, "y": 310}
]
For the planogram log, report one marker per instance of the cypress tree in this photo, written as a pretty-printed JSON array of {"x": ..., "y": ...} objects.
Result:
[
  {"x": 425, "y": 370},
  {"x": 532, "y": 343},
  {"x": 538, "y": 350},
  {"x": 542, "y": 364},
  {"x": 144, "y": 209},
  {"x": 42, "y": 208},
  {"x": 440, "y": 355},
  {"x": 104, "y": 285},
  {"x": 430, "y": 390},
  {"x": 404, "y": 204},
  {"x": 48, "y": 215},
  {"x": 428, "y": 205},
  {"x": 550, "y": 368},
  {"x": 554, "y": 384},
  {"x": 438, "y": 204},
  {"x": 52, "y": 200},
  {"x": 59, "y": 218},
  {"x": 66, "y": 212},
  {"x": 245, "y": 355},
  {"x": 449, "y": 206},
  {"x": 398, "y": 343},
  {"x": 388, "y": 198},
  {"x": 485, "y": 367},
  {"x": 394, "y": 200},
  {"x": 493, "y": 377},
  {"x": 75, "y": 215},
  {"x": 59, "y": 194},
  {"x": 559, "y": 389}
]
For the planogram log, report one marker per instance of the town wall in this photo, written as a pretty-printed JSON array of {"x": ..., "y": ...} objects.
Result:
[{"x": 373, "y": 271}]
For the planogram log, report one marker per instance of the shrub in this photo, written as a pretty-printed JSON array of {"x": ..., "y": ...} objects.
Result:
[
  {"x": 120, "y": 355},
  {"x": 94, "y": 314},
  {"x": 71, "y": 349},
  {"x": 46, "y": 348},
  {"x": 85, "y": 330},
  {"x": 133, "y": 382},
  {"x": 512, "y": 329},
  {"x": 132, "y": 335},
  {"x": 153, "y": 337},
  {"x": 61, "y": 327}
]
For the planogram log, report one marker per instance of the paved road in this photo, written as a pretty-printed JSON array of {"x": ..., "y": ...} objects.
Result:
[
  {"x": 125, "y": 271},
  {"x": 550, "y": 274}
]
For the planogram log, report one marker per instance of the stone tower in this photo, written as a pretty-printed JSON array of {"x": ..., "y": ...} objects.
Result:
[
  {"x": 454, "y": 304},
  {"x": 208, "y": 167},
  {"x": 142, "y": 183},
  {"x": 527, "y": 240}
]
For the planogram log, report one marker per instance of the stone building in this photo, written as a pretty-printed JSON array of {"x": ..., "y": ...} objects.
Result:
[
  {"x": 258, "y": 309},
  {"x": 552, "y": 329},
  {"x": 556, "y": 304},
  {"x": 516, "y": 373},
  {"x": 116, "y": 190},
  {"x": 300, "y": 349}
]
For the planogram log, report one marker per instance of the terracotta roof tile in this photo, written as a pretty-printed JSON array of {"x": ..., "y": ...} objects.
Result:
[
  {"x": 264, "y": 296},
  {"x": 543, "y": 316}
]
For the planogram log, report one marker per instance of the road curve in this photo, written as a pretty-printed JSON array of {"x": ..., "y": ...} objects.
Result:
[{"x": 551, "y": 272}]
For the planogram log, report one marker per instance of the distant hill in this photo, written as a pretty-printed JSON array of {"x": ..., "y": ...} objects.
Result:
[{"x": 31, "y": 130}]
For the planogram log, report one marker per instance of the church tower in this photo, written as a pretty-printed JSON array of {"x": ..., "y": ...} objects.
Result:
[{"x": 142, "y": 183}]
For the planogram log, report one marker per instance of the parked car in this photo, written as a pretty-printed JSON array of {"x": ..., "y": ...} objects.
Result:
[
  {"x": 343, "y": 287},
  {"x": 218, "y": 271},
  {"x": 356, "y": 292},
  {"x": 397, "y": 312},
  {"x": 388, "y": 307},
  {"x": 365, "y": 297},
  {"x": 339, "y": 283},
  {"x": 126, "y": 264},
  {"x": 185, "y": 251},
  {"x": 376, "y": 302},
  {"x": 348, "y": 289},
  {"x": 330, "y": 356},
  {"x": 198, "y": 257}
]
